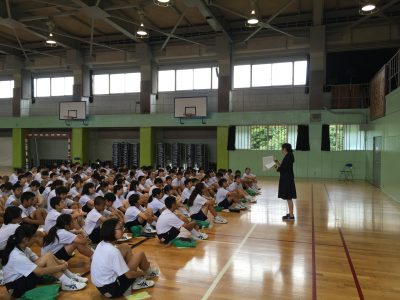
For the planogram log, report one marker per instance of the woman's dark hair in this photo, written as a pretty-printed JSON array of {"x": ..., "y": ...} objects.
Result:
[
  {"x": 117, "y": 188},
  {"x": 110, "y": 197},
  {"x": 102, "y": 185},
  {"x": 27, "y": 196},
  {"x": 289, "y": 149},
  {"x": 154, "y": 193},
  {"x": 158, "y": 180},
  {"x": 56, "y": 184},
  {"x": 62, "y": 221},
  {"x": 133, "y": 199},
  {"x": 140, "y": 178},
  {"x": 55, "y": 201},
  {"x": 86, "y": 187},
  {"x": 169, "y": 201},
  {"x": 133, "y": 185},
  {"x": 11, "y": 213},
  {"x": 61, "y": 190},
  {"x": 23, "y": 231},
  {"x": 35, "y": 183},
  {"x": 167, "y": 188},
  {"x": 107, "y": 230},
  {"x": 198, "y": 190}
]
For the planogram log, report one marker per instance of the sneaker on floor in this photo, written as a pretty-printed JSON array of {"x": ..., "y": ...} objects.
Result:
[
  {"x": 152, "y": 272},
  {"x": 148, "y": 229},
  {"x": 141, "y": 283},
  {"x": 73, "y": 286},
  {"x": 288, "y": 218},
  {"x": 78, "y": 278},
  {"x": 220, "y": 220},
  {"x": 202, "y": 236}
]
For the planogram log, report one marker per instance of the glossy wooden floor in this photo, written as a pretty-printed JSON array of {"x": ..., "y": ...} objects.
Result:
[{"x": 344, "y": 244}]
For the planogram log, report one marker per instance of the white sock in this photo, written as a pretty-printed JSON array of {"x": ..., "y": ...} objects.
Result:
[
  {"x": 195, "y": 232},
  {"x": 69, "y": 274},
  {"x": 65, "y": 279}
]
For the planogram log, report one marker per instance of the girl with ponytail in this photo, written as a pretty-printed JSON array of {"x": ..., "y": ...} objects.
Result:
[
  {"x": 62, "y": 243},
  {"x": 23, "y": 269},
  {"x": 199, "y": 206}
]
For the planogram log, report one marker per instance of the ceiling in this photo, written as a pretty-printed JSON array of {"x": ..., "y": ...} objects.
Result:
[{"x": 111, "y": 24}]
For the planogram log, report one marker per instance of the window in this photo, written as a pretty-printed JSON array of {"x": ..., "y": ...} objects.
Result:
[
  {"x": 275, "y": 74},
  {"x": 346, "y": 137},
  {"x": 265, "y": 137},
  {"x": 6, "y": 88},
  {"x": 188, "y": 79},
  {"x": 122, "y": 83},
  {"x": 53, "y": 86}
]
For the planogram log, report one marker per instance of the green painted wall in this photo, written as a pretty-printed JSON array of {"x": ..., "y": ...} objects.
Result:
[
  {"x": 79, "y": 147},
  {"x": 18, "y": 145},
  {"x": 389, "y": 128},
  {"x": 147, "y": 151},
  {"x": 222, "y": 144}
]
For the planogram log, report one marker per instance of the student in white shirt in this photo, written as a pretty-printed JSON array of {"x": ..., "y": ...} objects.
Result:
[
  {"x": 136, "y": 214},
  {"x": 155, "y": 203},
  {"x": 102, "y": 189},
  {"x": 12, "y": 218},
  {"x": 200, "y": 206},
  {"x": 158, "y": 183},
  {"x": 88, "y": 195},
  {"x": 141, "y": 186},
  {"x": 97, "y": 216},
  {"x": 110, "y": 199},
  {"x": 170, "y": 226},
  {"x": 119, "y": 198},
  {"x": 186, "y": 191},
  {"x": 250, "y": 179},
  {"x": 76, "y": 188},
  {"x": 23, "y": 269},
  {"x": 236, "y": 187},
  {"x": 14, "y": 198},
  {"x": 62, "y": 243},
  {"x": 115, "y": 270},
  {"x": 31, "y": 215},
  {"x": 178, "y": 183},
  {"x": 226, "y": 199}
]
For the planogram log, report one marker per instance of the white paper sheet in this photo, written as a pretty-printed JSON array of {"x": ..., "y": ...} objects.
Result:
[{"x": 268, "y": 163}]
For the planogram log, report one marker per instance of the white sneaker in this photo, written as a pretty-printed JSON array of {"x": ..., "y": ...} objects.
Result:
[
  {"x": 78, "y": 278},
  {"x": 220, "y": 220},
  {"x": 148, "y": 229},
  {"x": 152, "y": 272},
  {"x": 202, "y": 236},
  {"x": 141, "y": 283},
  {"x": 73, "y": 286}
]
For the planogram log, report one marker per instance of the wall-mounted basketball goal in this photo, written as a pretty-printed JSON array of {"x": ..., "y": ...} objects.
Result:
[
  {"x": 190, "y": 108},
  {"x": 74, "y": 111}
]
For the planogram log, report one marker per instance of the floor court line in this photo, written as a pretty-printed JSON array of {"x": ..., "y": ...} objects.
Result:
[
  {"x": 314, "y": 267},
  {"x": 227, "y": 265}
]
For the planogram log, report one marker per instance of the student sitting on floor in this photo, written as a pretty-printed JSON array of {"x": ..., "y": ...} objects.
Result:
[
  {"x": 178, "y": 183},
  {"x": 119, "y": 198},
  {"x": 187, "y": 190},
  {"x": 226, "y": 199},
  {"x": 31, "y": 215},
  {"x": 22, "y": 268},
  {"x": 62, "y": 243},
  {"x": 114, "y": 270},
  {"x": 170, "y": 226},
  {"x": 76, "y": 188},
  {"x": 136, "y": 214},
  {"x": 14, "y": 198},
  {"x": 155, "y": 203},
  {"x": 236, "y": 186},
  {"x": 97, "y": 216},
  {"x": 200, "y": 206},
  {"x": 110, "y": 199},
  {"x": 88, "y": 195}
]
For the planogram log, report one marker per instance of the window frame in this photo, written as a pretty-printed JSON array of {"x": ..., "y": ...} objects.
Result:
[
  {"x": 109, "y": 82},
  {"x": 50, "y": 85},
  {"x": 11, "y": 90}
]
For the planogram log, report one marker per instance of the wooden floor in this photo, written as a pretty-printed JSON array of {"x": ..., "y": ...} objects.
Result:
[{"x": 344, "y": 244}]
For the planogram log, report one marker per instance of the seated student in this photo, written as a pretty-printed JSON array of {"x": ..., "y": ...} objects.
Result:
[
  {"x": 187, "y": 190},
  {"x": 236, "y": 187},
  {"x": 30, "y": 214},
  {"x": 119, "y": 198},
  {"x": 110, "y": 199},
  {"x": 168, "y": 180},
  {"x": 103, "y": 188},
  {"x": 209, "y": 186},
  {"x": 14, "y": 198},
  {"x": 250, "y": 179},
  {"x": 114, "y": 269},
  {"x": 97, "y": 216},
  {"x": 178, "y": 183},
  {"x": 141, "y": 186},
  {"x": 155, "y": 203},
  {"x": 158, "y": 183},
  {"x": 6, "y": 190},
  {"x": 23, "y": 181},
  {"x": 62, "y": 243},
  {"x": 150, "y": 180},
  {"x": 66, "y": 178},
  {"x": 76, "y": 188},
  {"x": 200, "y": 206},
  {"x": 170, "y": 226},
  {"x": 12, "y": 218},
  {"x": 88, "y": 194},
  {"x": 226, "y": 199},
  {"x": 50, "y": 192},
  {"x": 136, "y": 214},
  {"x": 23, "y": 269},
  {"x": 34, "y": 188}
]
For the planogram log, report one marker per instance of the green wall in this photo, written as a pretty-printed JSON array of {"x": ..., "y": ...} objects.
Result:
[
  {"x": 18, "y": 145},
  {"x": 147, "y": 151},
  {"x": 389, "y": 128},
  {"x": 222, "y": 144},
  {"x": 79, "y": 147}
]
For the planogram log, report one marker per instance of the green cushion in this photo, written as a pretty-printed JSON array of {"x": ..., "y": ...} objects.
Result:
[
  {"x": 218, "y": 208},
  {"x": 136, "y": 230},
  {"x": 250, "y": 192},
  {"x": 46, "y": 292},
  {"x": 203, "y": 224},
  {"x": 183, "y": 244},
  {"x": 48, "y": 279}
]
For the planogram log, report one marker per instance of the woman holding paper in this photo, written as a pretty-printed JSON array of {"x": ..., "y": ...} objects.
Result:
[{"x": 287, "y": 187}]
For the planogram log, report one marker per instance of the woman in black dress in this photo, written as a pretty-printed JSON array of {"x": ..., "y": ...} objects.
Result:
[{"x": 287, "y": 188}]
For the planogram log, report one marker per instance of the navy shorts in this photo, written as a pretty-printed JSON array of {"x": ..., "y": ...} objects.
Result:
[
  {"x": 200, "y": 216},
  {"x": 168, "y": 236},
  {"x": 117, "y": 288},
  {"x": 63, "y": 254},
  {"x": 23, "y": 284},
  {"x": 224, "y": 203}
]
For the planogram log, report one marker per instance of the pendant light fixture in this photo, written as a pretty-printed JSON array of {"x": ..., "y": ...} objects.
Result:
[
  {"x": 50, "y": 41},
  {"x": 164, "y": 3},
  {"x": 368, "y": 7},
  {"x": 141, "y": 31},
  {"x": 253, "y": 19}
]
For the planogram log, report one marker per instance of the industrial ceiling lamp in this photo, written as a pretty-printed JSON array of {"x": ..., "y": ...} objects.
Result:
[
  {"x": 50, "y": 41},
  {"x": 368, "y": 7},
  {"x": 253, "y": 19},
  {"x": 141, "y": 32},
  {"x": 164, "y": 3}
]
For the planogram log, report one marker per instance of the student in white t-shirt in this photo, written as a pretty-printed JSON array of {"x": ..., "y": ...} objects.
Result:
[
  {"x": 88, "y": 194},
  {"x": 119, "y": 198},
  {"x": 76, "y": 188},
  {"x": 110, "y": 199},
  {"x": 226, "y": 199},
  {"x": 14, "y": 198},
  {"x": 187, "y": 190},
  {"x": 115, "y": 270},
  {"x": 199, "y": 206},
  {"x": 30, "y": 214},
  {"x": 178, "y": 183},
  {"x": 155, "y": 203},
  {"x": 170, "y": 226},
  {"x": 141, "y": 187},
  {"x": 62, "y": 243},
  {"x": 97, "y": 216},
  {"x": 12, "y": 218},
  {"x": 236, "y": 187},
  {"x": 22, "y": 268},
  {"x": 137, "y": 215}
]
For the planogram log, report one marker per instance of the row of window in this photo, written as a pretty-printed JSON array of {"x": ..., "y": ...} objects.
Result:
[
  {"x": 271, "y": 137},
  {"x": 244, "y": 76}
]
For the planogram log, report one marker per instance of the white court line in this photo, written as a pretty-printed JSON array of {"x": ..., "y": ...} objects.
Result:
[{"x": 227, "y": 265}]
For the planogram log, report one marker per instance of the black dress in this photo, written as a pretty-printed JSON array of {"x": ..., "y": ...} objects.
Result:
[{"x": 287, "y": 188}]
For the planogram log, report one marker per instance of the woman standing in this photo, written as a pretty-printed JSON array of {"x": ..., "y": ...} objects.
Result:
[{"x": 287, "y": 187}]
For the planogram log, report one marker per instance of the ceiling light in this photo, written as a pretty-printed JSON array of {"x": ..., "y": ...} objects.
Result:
[
  {"x": 164, "y": 3},
  {"x": 368, "y": 7},
  {"x": 50, "y": 41},
  {"x": 142, "y": 32},
  {"x": 253, "y": 20}
]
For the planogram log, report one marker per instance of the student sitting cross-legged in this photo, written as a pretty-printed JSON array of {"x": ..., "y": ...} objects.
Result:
[
  {"x": 136, "y": 214},
  {"x": 22, "y": 268},
  {"x": 116, "y": 271},
  {"x": 30, "y": 214},
  {"x": 62, "y": 243},
  {"x": 170, "y": 226},
  {"x": 226, "y": 199}
]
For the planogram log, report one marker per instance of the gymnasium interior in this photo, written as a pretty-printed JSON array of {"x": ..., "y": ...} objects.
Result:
[{"x": 222, "y": 84}]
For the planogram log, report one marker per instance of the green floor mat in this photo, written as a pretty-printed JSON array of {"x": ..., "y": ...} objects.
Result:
[
  {"x": 202, "y": 224},
  {"x": 183, "y": 244},
  {"x": 218, "y": 208},
  {"x": 46, "y": 292}
]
